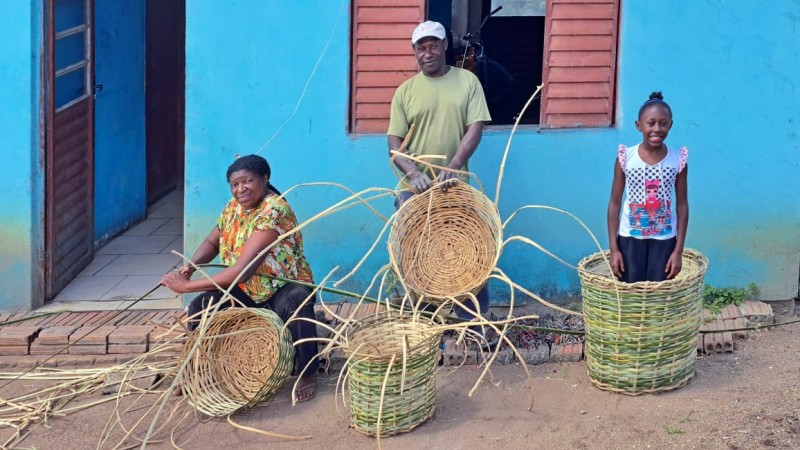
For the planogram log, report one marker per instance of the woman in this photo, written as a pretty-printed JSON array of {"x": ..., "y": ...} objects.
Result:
[{"x": 252, "y": 221}]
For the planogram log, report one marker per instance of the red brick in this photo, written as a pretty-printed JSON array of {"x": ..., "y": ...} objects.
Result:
[
  {"x": 740, "y": 323},
  {"x": 28, "y": 363},
  {"x": 730, "y": 312},
  {"x": 127, "y": 348},
  {"x": 130, "y": 334},
  {"x": 56, "y": 335},
  {"x": 91, "y": 335},
  {"x": 74, "y": 360},
  {"x": 87, "y": 349},
  {"x": 164, "y": 334},
  {"x": 727, "y": 342},
  {"x": 15, "y": 350},
  {"x": 17, "y": 336},
  {"x": 39, "y": 349},
  {"x": 105, "y": 360}
]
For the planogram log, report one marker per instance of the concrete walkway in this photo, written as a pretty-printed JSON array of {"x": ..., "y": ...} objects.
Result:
[{"x": 130, "y": 265}]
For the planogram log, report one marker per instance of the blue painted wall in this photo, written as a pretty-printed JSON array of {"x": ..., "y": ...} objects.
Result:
[
  {"x": 120, "y": 171},
  {"x": 729, "y": 74},
  {"x": 21, "y": 184}
]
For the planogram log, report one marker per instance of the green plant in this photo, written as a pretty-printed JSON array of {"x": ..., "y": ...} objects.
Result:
[
  {"x": 674, "y": 430},
  {"x": 714, "y": 299}
]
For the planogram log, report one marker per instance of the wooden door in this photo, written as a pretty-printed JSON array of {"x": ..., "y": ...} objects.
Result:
[
  {"x": 69, "y": 159},
  {"x": 164, "y": 96}
]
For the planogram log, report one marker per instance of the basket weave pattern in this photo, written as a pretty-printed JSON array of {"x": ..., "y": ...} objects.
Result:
[
  {"x": 243, "y": 358},
  {"x": 446, "y": 244},
  {"x": 410, "y": 393},
  {"x": 644, "y": 340}
]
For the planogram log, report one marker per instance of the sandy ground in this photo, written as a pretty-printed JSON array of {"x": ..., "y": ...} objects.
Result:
[{"x": 742, "y": 400}]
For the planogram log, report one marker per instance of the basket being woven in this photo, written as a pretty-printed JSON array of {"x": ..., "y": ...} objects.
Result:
[
  {"x": 398, "y": 352},
  {"x": 645, "y": 340},
  {"x": 242, "y": 359},
  {"x": 446, "y": 244}
]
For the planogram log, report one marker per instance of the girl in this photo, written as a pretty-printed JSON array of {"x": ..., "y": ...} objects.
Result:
[{"x": 647, "y": 241}]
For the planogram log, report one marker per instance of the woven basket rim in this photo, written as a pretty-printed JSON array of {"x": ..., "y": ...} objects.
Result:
[
  {"x": 219, "y": 401},
  {"x": 384, "y": 317},
  {"x": 494, "y": 223},
  {"x": 687, "y": 275}
]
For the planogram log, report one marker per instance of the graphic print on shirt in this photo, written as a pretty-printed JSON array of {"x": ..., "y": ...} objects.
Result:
[{"x": 650, "y": 200}]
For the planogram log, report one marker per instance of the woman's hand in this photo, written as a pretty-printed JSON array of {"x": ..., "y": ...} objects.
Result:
[
  {"x": 674, "y": 264},
  {"x": 186, "y": 270},
  {"x": 617, "y": 264},
  {"x": 176, "y": 281}
]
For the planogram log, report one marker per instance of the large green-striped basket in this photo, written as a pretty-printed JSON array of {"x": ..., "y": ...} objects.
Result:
[
  {"x": 391, "y": 372},
  {"x": 641, "y": 337}
]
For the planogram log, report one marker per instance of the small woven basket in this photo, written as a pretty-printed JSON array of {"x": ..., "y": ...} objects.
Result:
[
  {"x": 645, "y": 339},
  {"x": 446, "y": 244},
  {"x": 398, "y": 352},
  {"x": 242, "y": 359}
]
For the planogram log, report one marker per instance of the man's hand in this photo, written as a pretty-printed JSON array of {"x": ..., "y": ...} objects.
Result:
[
  {"x": 447, "y": 179},
  {"x": 419, "y": 181}
]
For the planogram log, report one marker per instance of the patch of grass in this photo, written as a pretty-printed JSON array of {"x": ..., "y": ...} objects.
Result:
[
  {"x": 714, "y": 299},
  {"x": 674, "y": 430}
]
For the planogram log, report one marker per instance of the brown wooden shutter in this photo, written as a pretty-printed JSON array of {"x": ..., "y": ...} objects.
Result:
[
  {"x": 382, "y": 58},
  {"x": 580, "y": 55}
]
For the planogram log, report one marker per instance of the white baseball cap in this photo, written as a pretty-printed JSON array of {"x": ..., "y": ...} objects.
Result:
[{"x": 427, "y": 29}]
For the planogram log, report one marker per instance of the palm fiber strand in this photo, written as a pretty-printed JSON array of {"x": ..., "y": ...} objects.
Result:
[
  {"x": 245, "y": 355},
  {"x": 391, "y": 372},
  {"x": 446, "y": 244},
  {"x": 641, "y": 337}
]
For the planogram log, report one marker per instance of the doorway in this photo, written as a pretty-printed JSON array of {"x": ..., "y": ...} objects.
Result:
[
  {"x": 165, "y": 96},
  {"x": 114, "y": 124}
]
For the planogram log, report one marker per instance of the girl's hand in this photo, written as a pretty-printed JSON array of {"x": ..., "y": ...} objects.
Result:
[
  {"x": 176, "y": 281},
  {"x": 617, "y": 265},
  {"x": 674, "y": 264}
]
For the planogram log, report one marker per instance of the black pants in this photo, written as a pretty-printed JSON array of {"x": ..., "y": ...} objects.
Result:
[
  {"x": 284, "y": 302},
  {"x": 645, "y": 259}
]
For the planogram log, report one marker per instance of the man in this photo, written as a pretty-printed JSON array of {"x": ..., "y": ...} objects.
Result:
[{"x": 448, "y": 109}]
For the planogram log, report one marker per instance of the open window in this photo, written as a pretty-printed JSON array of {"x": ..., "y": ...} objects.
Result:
[{"x": 568, "y": 46}]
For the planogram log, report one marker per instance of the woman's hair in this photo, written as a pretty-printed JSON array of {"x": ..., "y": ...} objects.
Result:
[
  {"x": 255, "y": 164},
  {"x": 655, "y": 97}
]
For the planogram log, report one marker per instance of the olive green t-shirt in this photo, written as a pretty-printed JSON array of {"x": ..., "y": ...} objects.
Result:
[{"x": 442, "y": 108}]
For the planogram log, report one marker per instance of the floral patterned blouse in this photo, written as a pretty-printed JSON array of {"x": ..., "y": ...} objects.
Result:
[{"x": 285, "y": 259}]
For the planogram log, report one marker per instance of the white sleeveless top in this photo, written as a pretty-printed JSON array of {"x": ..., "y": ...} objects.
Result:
[{"x": 648, "y": 211}]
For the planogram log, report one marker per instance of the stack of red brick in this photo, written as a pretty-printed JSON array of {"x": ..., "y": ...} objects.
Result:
[
  {"x": 85, "y": 340},
  {"x": 729, "y": 324}
]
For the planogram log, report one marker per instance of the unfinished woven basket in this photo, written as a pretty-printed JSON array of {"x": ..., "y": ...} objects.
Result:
[
  {"x": 391, "y": 373},
  {"x": 243, "y": 358},
  {"x": 645, "y": 339},
  {"x": 446, "y": 244}
]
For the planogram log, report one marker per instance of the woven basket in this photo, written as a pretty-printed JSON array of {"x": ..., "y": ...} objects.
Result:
[
  {"x": 243, "y": 358},
  {"x": 645, "y": 340},
  {"x": 446, "y": 244},
  {"x": 410, "y": 395}
]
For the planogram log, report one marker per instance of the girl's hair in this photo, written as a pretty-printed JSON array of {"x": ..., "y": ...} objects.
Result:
[
  {"x": 255, "y": 164},
  {"x": 655, "y": 97}
]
